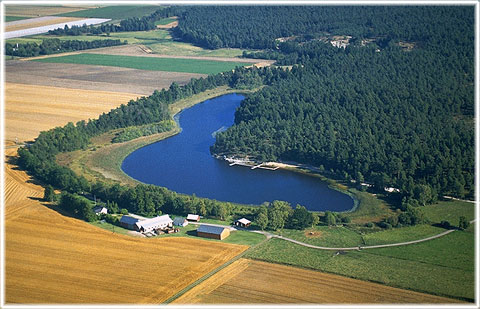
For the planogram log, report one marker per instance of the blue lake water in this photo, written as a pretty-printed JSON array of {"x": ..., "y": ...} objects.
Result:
[{"x": 183, "y": 163}]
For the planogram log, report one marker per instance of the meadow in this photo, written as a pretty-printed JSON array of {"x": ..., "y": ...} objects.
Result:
[
  {"x": 430, "y": 267},
  {"x": 148, "y": 63},
  {"x": 248, "y": 281}
]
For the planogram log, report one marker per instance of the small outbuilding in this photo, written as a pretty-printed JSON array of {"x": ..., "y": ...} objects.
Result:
[
  {"x": 150, "y": 225},
  {"x": 128, "y": 222},
  {"x": 100, "y": 210},
  {"x": 193, "y": 218},
  {"x": 180, "y": 221},
  {"x": 242, "y": 222},
  {"x": 215, "y": 232}
]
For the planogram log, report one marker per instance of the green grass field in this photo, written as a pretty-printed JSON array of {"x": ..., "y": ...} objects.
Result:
[
  {"x": 115, "y": 12},
  {"x": 402, "y": 234},
  {"x": 450, "y": 210},
  {"x": 14, "y": 18},
  {"x": 442, "y": 266},
  {"x": 148, "y": 63}
]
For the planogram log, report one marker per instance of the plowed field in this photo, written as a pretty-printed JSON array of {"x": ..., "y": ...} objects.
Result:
[
  {"x": 51, "y": 258},
  {"x": 30, "y": 109},
  {"x": 249, "y": 281}
]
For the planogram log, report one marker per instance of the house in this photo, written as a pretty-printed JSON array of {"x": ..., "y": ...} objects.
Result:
[
  {"x": 180, "y": 221},
  {"x": 242, "y": 222},
  {"x": 128, "y": 222},
  {"x": 194, "y": 218},
  {"x": 215, "y": 232},
  {"x": 149, "y": 225},
  {"x": 100, "y": 210}
]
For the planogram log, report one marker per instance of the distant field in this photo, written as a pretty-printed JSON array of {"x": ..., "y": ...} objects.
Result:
[
  {"x": 30, "y": 109},
  {"x": 165, "y": 21},
  {"x": 450, "y": 210},
  {"x": 14, "y": 18},
  {"x": 148, "y": 63},
  {"x": 325, "y": 236},
  {"x": 442, "y": 266},
  {"x": 38, "y": 22},
  {"x": 246, "y": 281},
  {"x": 115, "y": 12},
  {"x": 40, "y": 10}
]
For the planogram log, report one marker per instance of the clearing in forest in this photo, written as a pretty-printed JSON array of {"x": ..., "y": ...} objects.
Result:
[{"x": 249, "y": 281}]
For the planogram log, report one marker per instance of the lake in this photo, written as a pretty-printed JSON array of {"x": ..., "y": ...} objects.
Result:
[{"x": 183, "y": 163}]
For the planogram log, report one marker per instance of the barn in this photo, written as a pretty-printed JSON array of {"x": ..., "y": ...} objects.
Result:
[
  {"x": 153, "y": 224},
  {"x": 180, "y": 221},
  {"x": 128, "y": 222},
  {"x": 243, "y": 222},
  {"x": 194, "y": 218},
  {"x": 215, "y": 232}
]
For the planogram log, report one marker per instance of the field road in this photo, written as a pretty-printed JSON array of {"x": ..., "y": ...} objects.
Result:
[{"x": 270, "y": 235}]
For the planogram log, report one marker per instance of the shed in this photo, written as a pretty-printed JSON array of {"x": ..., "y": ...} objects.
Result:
[
  {"x": 152, "y": 224},
  {"x": 194, "y": 218},
  {"x": 128, "y": 222},
  {"x": 100, "y": 210},
  {"x": 243, "y": 222},
  {"x": 215, "y": 232},
  {"x": 180, "y": 221}
]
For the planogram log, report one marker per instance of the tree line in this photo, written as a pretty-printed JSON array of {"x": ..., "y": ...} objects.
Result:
[
  {"x": 54, "y": 46},
  {"x": 144, "y": 23}
]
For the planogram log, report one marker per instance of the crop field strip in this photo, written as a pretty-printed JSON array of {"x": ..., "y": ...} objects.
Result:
[
  {"x": 37, "y": 22},
  {"x": 40, "y": 10},
  {"x": 183, "y": 65},
  {"x": 88, "y": 77},
  {"x": 30, "y": 109},
  {"x": 115, "y": 12},
  {"x": 249, "y": 281}
]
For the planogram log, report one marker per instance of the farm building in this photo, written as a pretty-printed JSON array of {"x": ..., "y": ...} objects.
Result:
[
  {"x": 128, "y": 222},
  {"x": 243, "y": 222},
  {"x": 153, "y": 224},
  {"x": 180, "y": 221},
  {"x": 100, "y": 210},
  {"x": 215, "y": 232},
  {"x": 194, "y": 218}
]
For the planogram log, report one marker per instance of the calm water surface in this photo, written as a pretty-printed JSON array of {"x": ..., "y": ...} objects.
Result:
[{"x": 183, "y": 163}]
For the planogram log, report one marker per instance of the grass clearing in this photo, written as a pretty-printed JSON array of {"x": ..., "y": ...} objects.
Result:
[
  {"x": 115, "y": 12},
  {"x": 449, "y": 210},
  {"x": 148, "y": 63},
  {"x": 407, "y": 267},
  {"x": 326, "y": 236},
  {"x": 249, "y": 281},
  {"x": 402, "y": 234},
  {"x": 165, "y": 21}
]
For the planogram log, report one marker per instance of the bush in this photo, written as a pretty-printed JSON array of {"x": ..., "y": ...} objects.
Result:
[
  {"x": 369, "y": 224},
  {"x": 445, "y": 224},
  {"x": 123, "y": 211}
]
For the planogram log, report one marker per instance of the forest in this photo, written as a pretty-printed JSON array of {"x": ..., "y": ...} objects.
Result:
[
  {"x": 55, "y": 46},
  {"x": 380, "y": 114}
]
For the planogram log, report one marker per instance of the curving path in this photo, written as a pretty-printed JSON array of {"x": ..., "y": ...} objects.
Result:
[{"x": 270, "y": 235}]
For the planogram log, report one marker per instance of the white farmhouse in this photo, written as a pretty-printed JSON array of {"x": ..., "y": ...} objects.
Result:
[{"x": 153, "y": 224}]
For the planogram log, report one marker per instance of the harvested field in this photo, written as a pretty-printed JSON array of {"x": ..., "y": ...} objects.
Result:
[
  {"x": 40, "y": 10},
  {"x": 88, "y": 77},
  {"x": 50, "y": 258},
  {"x": 249, "y": 281},
  {"x": 31, "y": 109},
  {"x": 37, "y": 22}
]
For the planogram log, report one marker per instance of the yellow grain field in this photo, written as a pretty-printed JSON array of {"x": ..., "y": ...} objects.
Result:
[
  {"x": 30, "y": 109},
  {"x": 248, "y": 281},
  {"x": 50, "y": 258},
  {"x": 27, "y": 24}
]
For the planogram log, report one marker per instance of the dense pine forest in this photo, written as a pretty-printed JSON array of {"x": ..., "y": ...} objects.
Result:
[{"x": 376, "y": 113}]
